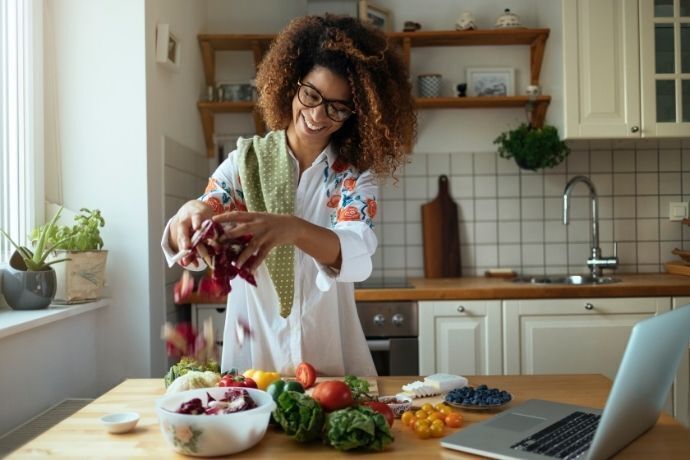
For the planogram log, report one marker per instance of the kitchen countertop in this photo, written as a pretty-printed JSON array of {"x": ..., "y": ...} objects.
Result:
[
  {"x": 482, "y": 288},
  {"x": 81, "y": 434}
]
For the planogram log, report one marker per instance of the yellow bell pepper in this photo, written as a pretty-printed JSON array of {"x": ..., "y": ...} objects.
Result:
[{"x": 262, "y": 378}]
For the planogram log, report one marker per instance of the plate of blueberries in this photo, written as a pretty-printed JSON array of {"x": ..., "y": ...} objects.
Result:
[{"x": 478, "y": 398}]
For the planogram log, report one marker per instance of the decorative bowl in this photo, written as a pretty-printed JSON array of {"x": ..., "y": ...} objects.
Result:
[
  {"x": 397, "y": 403},
  {"x": 212, "y": 435}
]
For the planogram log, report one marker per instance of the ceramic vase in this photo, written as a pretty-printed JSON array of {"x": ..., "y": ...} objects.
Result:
[{"x": 27, "y": 290}]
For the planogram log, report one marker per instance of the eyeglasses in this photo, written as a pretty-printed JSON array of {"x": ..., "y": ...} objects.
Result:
[{"x": 338, "y": 111}]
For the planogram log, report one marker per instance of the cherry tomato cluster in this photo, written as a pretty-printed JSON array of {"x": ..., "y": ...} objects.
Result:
[
  {"x": 431, "y": 420},
  {"x": 230, "y": 380}
]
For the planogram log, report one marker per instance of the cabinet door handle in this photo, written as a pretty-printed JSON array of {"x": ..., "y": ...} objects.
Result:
[
  {"x": 634, "y": 129},
  {"x": 589, "y": 306},
  {"x": 461, "y": 309}
]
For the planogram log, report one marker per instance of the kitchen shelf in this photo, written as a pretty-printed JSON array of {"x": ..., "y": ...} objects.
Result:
[{"x": 258, "y": 44}]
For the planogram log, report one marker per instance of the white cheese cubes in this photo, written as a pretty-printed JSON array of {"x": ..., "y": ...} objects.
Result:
[
  {"x": 419, "y": 389},
  {"x": 445, "y": 382},
  {"x": 433, "y": 385}
]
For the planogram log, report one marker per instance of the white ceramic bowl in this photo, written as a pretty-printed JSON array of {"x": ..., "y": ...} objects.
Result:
[
  {"x": 211, "y": 435},
  {"x": 121, "y": 422}
]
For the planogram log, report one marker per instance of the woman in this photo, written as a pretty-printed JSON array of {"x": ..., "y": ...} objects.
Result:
[{"x": 339, "y": 105}]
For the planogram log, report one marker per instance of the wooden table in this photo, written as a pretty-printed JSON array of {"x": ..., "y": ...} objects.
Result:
[{"x": 82, "y": 435}]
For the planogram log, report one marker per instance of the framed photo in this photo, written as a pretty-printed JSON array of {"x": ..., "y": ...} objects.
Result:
[
  {"x": 490, "y": 82},
  {"x": 167, "y": 47},
  {"x": 378, "y": 16}
]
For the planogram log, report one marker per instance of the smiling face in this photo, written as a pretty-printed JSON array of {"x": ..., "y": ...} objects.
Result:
[{"x": 311, "y": 128}]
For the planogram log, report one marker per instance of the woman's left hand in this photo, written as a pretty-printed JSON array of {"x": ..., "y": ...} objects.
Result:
[{"x": 267, "y": 230}]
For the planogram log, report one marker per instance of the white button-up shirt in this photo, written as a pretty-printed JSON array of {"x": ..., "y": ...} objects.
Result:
[{"x": 323, "y": 327}]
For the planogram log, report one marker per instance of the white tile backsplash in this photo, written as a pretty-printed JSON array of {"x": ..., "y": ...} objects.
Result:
[
  {"x": 670, "y": 183},
  {"x": 646, "y": 160},
  {"x": 461, "y": 164},
  {"x": 669, "y": 160},
  {"x": 485, "y": 164},
  {"x": 484, "y": 186},
  {"x": 509, "y": 186},
  {"x": 647, "y": 184},
  {"x": 486, "y": 209},
  {"x": 438, "y": 164},
  {"x": 513, "y": 218}
]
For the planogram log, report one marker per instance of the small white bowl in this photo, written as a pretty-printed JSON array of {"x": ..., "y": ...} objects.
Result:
[{"x": 121, "y": 422}]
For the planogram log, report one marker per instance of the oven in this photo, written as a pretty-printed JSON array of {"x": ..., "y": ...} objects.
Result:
[{"x": 391, "y": 329}]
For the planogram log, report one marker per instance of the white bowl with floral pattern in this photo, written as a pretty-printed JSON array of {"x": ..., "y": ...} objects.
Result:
[{"x": 212, "y": 435}]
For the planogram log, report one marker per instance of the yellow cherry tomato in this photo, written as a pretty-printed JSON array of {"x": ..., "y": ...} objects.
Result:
[
  {"x": 436, "y": 415},
  {"x": 446, "y": 409},
  {"x": 421, "y": 422},
  {"x": 420, "y": 414},
  {"x": 423, "y": 431},
  {"x": 411, "y": 421},
  {"x": 437, "y": 427},
  {"x": 406, "y": 416},
  {"x": 439, "y": 405},
  {"x": 428, "y": 408}
]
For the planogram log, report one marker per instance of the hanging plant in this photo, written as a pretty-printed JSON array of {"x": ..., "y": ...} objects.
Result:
[{"x": 533, "y": 148}]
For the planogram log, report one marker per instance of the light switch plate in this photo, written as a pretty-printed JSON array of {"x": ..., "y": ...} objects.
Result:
[{"x": 677, "y": 210}]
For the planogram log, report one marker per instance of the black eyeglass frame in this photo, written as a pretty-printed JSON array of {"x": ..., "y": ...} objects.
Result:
[{"x": 326, "y": 102}]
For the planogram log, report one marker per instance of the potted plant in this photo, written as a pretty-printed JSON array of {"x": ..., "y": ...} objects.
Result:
[
  {"x": 29, "y": 281},
  {"x": 82, "y": 277},
  {"x": 532, "y": 148}
]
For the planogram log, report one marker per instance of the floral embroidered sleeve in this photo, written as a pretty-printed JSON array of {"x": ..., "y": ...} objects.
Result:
[
  {"x": 351, "y": 198},
  {"x": 223, "y": 191}
]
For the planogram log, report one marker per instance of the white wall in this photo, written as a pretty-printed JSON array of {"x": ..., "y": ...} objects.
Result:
[
  {"x": 101, "y": 127},
  {"x": 102, "y": 131},
  {"x": 171, "y": 98}
]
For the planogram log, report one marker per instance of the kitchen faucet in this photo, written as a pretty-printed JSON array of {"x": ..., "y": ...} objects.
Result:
[{"x": 595, "y": 262}]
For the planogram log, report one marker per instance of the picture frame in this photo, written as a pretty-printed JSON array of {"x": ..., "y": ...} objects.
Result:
[
  {"x": 380, "y": 17},
  {"x": 168, "y": 47},
  {"x": 488, "y": 82}
]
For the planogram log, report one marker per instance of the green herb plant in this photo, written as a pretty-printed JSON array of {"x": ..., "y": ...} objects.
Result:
[
  {"x": 359, "y": 388},
  {"x": 35, "y": 260},
  {"x": 533, "y": 148},
  {"x": 84, "y": 235}
]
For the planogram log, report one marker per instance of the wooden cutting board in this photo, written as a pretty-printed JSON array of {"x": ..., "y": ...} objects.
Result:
[
  {"x": 440, "y": 234},
  {"x": 678, "y": 267}
]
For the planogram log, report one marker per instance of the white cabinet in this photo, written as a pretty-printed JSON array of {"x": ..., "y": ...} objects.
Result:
[
  {"x": 566, "y": 336},
  {"x": 202, "y": 311},
  {"x": 601, "y": 69},
  {"x": 460, "y": 337},
  {"x": 623, "y": 70}
]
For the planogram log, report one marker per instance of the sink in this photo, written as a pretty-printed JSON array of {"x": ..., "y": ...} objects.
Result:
[{"x": 576, "y": 280}]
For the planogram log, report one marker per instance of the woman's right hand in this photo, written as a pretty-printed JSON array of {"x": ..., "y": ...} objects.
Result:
[{"x": 183, "y": 224}]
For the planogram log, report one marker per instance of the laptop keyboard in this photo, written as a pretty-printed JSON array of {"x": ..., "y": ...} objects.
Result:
[{"x": 568, "y": 438}]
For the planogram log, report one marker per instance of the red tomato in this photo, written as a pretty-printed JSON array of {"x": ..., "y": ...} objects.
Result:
[
  {"x": 333, "y": 395},
  {"x": 306, "y": 375},
  {"x": 381, "y": 408}
]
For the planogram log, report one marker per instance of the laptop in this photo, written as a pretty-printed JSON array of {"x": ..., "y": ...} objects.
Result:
[{"x": 539, "y": 429}]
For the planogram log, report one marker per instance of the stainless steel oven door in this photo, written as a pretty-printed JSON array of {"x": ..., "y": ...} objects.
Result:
[{"x": 395, "y": 356}]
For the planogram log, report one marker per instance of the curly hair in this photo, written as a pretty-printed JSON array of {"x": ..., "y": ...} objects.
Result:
[{"x": 381, "y": 133}]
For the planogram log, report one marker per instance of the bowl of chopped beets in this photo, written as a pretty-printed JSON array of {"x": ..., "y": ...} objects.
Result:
[
  {"x": 398, "y": 403},
  {"x": 478, "y": 398},
  {"x": 214, "y": 421}
]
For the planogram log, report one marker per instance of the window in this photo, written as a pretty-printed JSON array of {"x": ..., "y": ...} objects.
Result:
[{"x": 21, "y": 124}]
